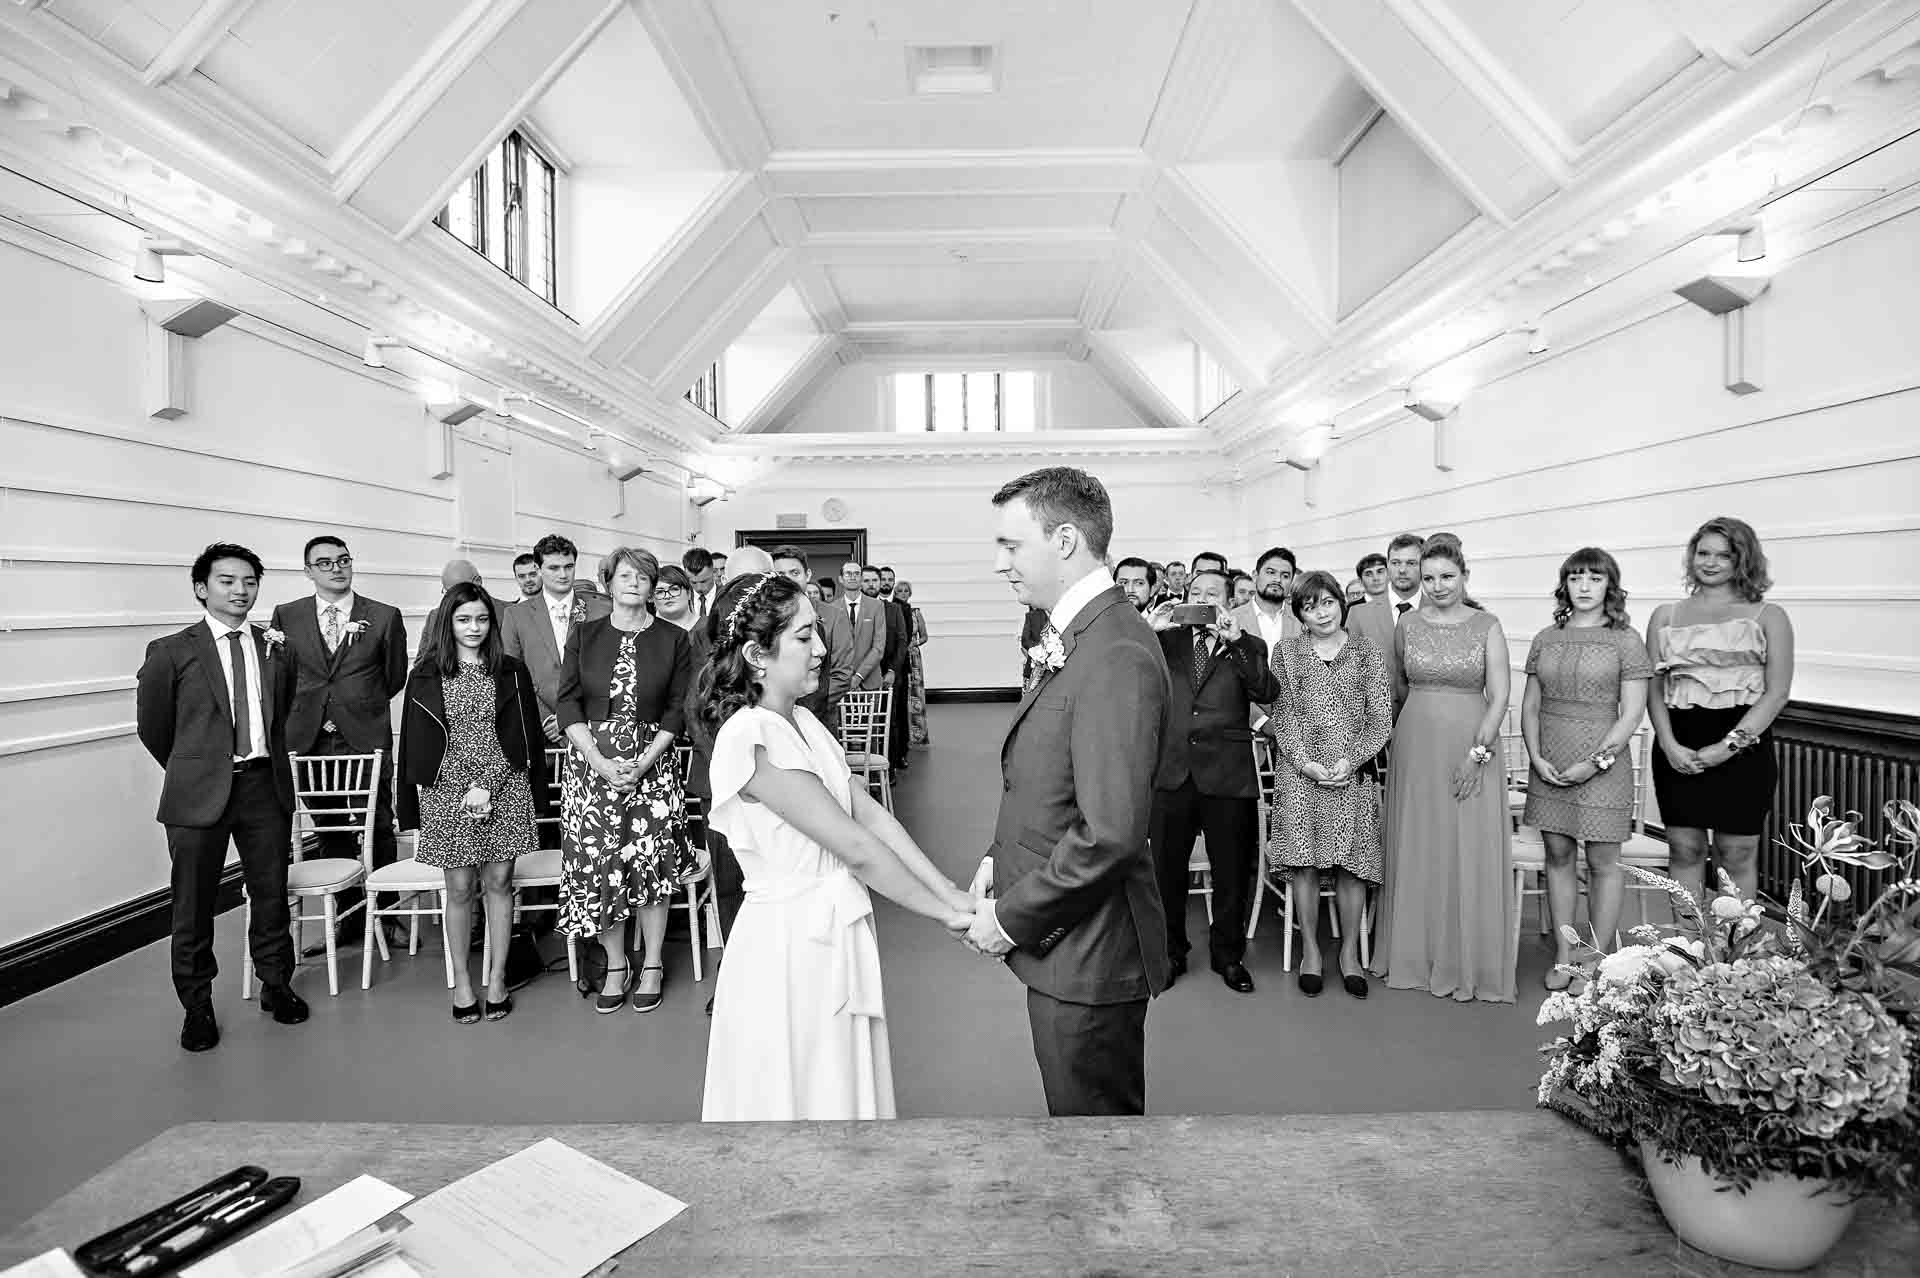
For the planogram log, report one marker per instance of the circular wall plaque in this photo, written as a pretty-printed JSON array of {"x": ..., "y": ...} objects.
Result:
[{"x": 833, "y": 510}]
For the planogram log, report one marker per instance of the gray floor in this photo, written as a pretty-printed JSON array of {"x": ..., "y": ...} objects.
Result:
[{"x": 91, "y": 1069}]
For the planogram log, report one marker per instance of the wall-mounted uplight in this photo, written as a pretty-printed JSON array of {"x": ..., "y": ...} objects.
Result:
[
  {"x": 148, "y": 265},
  {"x": 702, "y": 490},
  {"x": 1430, "y": 406},
  {"x": 373, "y": 354}
]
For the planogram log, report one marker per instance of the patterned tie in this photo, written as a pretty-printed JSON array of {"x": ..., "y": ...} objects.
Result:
[
  {"x": 1202, "y": 659},
  {"x": 242, "y": 703},
  {"x": 331, "y": 631}
]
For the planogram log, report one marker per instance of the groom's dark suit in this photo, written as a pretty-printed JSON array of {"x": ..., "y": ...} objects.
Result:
[{"x": 1073, "y": 879}]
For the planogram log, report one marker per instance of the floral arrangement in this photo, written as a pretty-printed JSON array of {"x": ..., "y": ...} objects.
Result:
[{"x": 1763, "y": 1040}]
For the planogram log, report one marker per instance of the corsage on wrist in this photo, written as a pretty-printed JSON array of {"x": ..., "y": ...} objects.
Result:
[
  {"x": 1481, "y": 755},
  {"x": 1740, "y": 739},
  {"x": 1603, "y": 759}
]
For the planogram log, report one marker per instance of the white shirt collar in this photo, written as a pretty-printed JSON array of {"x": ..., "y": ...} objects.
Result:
[
  {"x": 1393, "y": 597},
  {"x": 221, "y": 629},
  {"x": 346, "y": 604},
  {"x": 1078, "y": 596},
  {"x": 563, "y": 604}
]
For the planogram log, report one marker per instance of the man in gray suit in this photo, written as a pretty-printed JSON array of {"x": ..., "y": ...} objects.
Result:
[
  {"x": 867, "y": 622},
  {"x": 835, "y": 631},
  {"x": 1380, "y": 615},
  {"x": 1077, "y": 910},
  {"x": 535, "y": 629}
]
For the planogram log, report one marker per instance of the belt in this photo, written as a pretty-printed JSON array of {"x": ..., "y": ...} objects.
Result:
[
  {"x": 835, "y": 907},
  {"x": 249, "y": 765}
]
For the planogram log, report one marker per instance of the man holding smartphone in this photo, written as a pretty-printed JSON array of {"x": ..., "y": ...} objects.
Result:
[{"x": 1206, "y": 780}]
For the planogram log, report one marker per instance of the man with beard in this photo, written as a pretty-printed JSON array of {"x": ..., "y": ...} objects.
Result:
[
  {"x": 1267, "y": 614},
  {"x": 1135, "y": 579}
]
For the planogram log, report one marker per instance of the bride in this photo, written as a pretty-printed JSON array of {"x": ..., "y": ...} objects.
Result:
[{"x": 799, "y": 1027}]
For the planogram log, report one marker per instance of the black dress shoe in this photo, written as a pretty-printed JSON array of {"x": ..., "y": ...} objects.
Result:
[
  {"x": 1236, "y": 977},
  {"x": 1352, "y": 982},
  {"x": 200, "y": 1032},
  {"x": 1310, "y": 984},
  {"x": 287, "y": 1007}
]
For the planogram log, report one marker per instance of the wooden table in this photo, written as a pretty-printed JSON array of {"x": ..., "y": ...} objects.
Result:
[{"x": 1489, "y": 1192}]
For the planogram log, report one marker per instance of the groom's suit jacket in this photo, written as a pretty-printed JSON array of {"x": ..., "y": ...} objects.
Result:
[
  {"x": 1073, "y": 879},
  {"x": 351, "y": 687}
]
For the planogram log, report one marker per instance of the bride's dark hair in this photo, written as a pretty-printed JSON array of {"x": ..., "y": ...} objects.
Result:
[{"x": 751, "y": 608}]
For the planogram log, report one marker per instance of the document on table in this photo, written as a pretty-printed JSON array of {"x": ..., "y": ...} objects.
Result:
[
  {"x": 320, "y": 1224},
  {"x": 548, "y": 1211}
]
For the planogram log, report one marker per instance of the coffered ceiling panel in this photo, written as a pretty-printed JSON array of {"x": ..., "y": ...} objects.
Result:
[
  {"x": 317, "y": 67},
  {"x": 940, "y": 213},
  {"x": 972, "y": 291},
  {"x": 1586, "y": 62},
  {"x": 135, "y": 30},
  {"x": 1072, "y": 73}
]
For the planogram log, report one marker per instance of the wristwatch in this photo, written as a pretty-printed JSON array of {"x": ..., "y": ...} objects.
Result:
[{"x": 1603, "y": 759}]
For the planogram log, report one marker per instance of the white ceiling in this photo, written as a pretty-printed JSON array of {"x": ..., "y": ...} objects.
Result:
[{"x": 1148, "y": 175}]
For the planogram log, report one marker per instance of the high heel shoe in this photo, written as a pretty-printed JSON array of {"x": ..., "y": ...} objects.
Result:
[
  {"x": 1310, "y": 984},
  {"x": 469, "y": 1014},
  {"x": 605, "y": 1003},
  {"x": 647, "y": 1002},
  {"x": 501, "y": 1010},
  {"x": 1352, "y": 983}
]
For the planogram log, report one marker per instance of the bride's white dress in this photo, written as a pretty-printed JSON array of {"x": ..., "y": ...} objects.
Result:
[{"x": 799, "y": 1029}]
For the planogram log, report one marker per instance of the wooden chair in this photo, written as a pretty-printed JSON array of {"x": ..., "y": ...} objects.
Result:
[
  {"x": 1268, "y": 878},
  {"x": 864, "y": 735},
  {"x": 332, "y": 794},
  {"x": 701, "y": 891}
]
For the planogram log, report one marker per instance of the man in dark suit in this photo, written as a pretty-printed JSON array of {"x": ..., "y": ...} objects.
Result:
[
  {"x": 898, "y": 660},
  {"x": 1076, "y": 908},
  {"x": 1206, "y": 779},
  {"x": 349, "y": 654},
  {"x": 211, "y": 707}
]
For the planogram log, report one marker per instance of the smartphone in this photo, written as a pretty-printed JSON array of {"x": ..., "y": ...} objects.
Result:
[{"x": 1194, "y": 614}]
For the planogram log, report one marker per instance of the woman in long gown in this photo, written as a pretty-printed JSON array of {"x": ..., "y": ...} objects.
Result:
[
  {"x": 1446, "y": 902},
  {"x": 799, "y": 1021},
  {"x": 917, "y": 735}
]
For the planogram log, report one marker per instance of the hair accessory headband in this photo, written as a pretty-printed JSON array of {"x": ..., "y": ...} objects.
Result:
[{"x": 742, "y": 604}]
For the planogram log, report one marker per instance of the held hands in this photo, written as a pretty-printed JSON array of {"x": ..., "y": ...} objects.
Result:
[
  {"x": 1714, "y": 755},
  {"x": 1341, "y": 771},
  {"x": 1686, "y": 762},
  {"x": 622, "y": 774},
  {"x": 983, "y": 934},
  {"x": 478, "y": 804}
]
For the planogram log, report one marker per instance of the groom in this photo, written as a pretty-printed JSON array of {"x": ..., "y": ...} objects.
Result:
[{"x": 1076, "y": 909}]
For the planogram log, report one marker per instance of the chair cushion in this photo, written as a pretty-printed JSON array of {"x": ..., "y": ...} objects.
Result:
[
  {"x": 407, "y": 876},
  {"x": 323, "y": 874},
  {"x": 534, "y": 868},
  {"x": 858, "y": 759},
  {"x": 1646, "y": 852},
  {"x": 1529, "y": 854}
]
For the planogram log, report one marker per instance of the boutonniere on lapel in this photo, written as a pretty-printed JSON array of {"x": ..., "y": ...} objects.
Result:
[
  {"x": 1048, "y": 655},
  {"x": 355, "y": 629},
  {"x": 579, "y": 613},
  {"x": 273, "y": 639}
]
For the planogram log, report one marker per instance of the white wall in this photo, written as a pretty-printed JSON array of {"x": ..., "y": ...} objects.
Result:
[
  {"x": 1630, "y": 442},
  {"x": 859, "y": 397},
  {"x": 102, "y": 511},
  {"x": 935, "y": 525}
]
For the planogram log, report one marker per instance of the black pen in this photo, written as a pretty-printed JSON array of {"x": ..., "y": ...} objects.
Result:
[
  {"x": 116, "y": 1247},
  {"x": 215, "y": 1227}
]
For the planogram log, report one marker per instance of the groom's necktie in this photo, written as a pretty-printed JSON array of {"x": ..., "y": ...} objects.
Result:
[{"x": 1202, "y": 659}]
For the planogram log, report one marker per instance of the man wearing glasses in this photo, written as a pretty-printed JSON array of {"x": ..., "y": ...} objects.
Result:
[{"x": 349, "y": 656}]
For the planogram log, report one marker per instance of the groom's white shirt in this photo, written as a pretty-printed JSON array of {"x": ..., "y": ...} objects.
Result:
[{"x": 1077, "y": 596}]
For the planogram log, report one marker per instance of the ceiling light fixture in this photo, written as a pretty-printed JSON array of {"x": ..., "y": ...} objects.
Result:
[
  {"x": 703, "y": 490},
  {"x": 1429, "y": 406},
  {"x": 147, "y": 264},
  {"x": 370, "y": 353}
]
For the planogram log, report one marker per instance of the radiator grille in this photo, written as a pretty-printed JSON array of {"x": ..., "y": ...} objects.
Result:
[{"x": 1860, "y": 760}]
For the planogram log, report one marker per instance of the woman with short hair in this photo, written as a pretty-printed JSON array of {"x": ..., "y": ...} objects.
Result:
[
  {"x": 623, "y": 687},
  {"x": 473, "y": 777},
  {"x": 1723, "y": 668},
  {"x": 1586, "y": 693},
  {"x": 672, "y": 596}
]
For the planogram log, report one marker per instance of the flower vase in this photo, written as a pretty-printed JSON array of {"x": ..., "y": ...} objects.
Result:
[{"x": 1779, "y": 1222}]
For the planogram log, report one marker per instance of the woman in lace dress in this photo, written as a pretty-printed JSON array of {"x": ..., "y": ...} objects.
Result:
[
  {"x": 1723, "y": 668},
  {"x": 1586, "y": 692},
  {"x": 1333, "y": 715},
  {"x": 1446, "y": 904}
]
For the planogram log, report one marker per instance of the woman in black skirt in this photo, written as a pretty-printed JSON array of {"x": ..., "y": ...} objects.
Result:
[{"x": 1723, "y": 668}]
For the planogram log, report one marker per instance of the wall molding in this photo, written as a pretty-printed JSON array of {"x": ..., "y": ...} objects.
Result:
[
  {"x": 64, "y": 740},
  {"x": 139, "y": 497},
  {"x": 27, "y": 693},
  {"x": 42, "y": 961}
]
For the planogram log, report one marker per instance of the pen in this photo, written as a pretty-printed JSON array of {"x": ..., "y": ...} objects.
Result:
[
  {"x": 114, "y": 1248},
  {"x": 216, "y": 1226}
]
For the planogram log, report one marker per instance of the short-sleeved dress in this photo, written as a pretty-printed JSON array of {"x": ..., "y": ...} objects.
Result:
[
  {"x": 1581, "y": 670},
  {"x": 799, "y": 1024},
  {"x": 1328, "y": 711},
  {"x": 448, "y": 839}
]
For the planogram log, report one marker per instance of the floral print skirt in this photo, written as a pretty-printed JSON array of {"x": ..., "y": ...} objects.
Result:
[
  {"x": 917, "y": 702},
  {"x": 620, "y": 852}
]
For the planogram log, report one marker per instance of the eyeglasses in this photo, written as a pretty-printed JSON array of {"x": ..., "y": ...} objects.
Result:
[
  {"x": 668, "y": 592},
  {"x": 328, "y": 565}
]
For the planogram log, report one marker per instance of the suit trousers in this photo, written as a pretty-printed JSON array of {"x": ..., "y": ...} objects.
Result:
[
  {"x": 261, "y": 829},
  {"x": 1229, "y": 825},
  {"x": 1093, "y": 1057}
]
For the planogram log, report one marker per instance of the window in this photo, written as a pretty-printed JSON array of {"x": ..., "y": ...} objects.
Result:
[
  {"x": 705, "y": 393},
  {"x": 505, "y": 213},
  {"x": 1212, "y": 386},
  {"x": 964, "y": 401}
]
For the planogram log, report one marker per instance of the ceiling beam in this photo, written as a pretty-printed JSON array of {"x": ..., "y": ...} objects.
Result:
[
  {"x": 1200, "y": 320},
  {"x": 1132, "y": 384},
  {"x": 711, "y": 327},
  {"x": 945, "y": 248},
  {"x": 1473, "y": 143},
  {"x": 1213, "y": 38},
  {"x": 689, "y": 41},
  {"x": 821, "y": 358},
  {"x": 194, "y": 40},
  {"x": 1091, "y": 170},
  {"x": 1305, "y": 324}
]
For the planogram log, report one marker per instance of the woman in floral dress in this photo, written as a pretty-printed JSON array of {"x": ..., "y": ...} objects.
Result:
[
  {"x": 623, "y": 685},
  {"x": 1334, "y": 713},
  {"x": 917, "y": 672}
]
